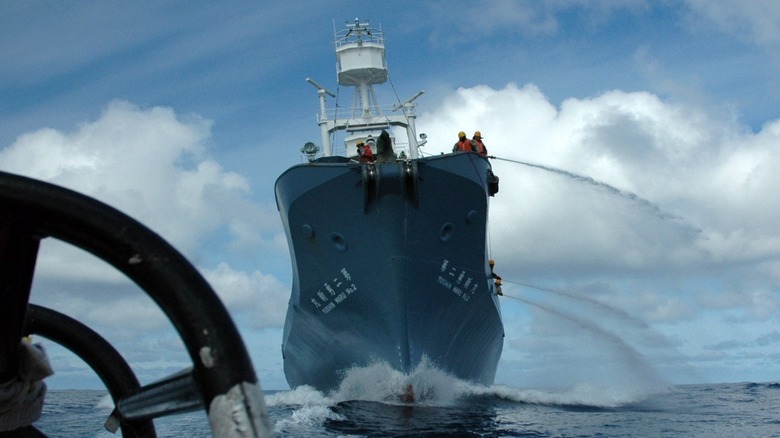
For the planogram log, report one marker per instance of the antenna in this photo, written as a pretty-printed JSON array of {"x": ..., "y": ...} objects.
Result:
[
  {"x": 320, "y": 87},
  {"x": 323, "y": 118},
  {"x": 409, "y": 100}
]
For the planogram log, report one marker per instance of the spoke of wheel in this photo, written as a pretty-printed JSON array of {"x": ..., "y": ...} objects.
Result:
[
  {"x": 18, "y": 254},
  {"x": 99, "y": 354}
]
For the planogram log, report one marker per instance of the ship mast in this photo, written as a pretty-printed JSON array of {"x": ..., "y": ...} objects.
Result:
[{"x": 361, "y": 64}]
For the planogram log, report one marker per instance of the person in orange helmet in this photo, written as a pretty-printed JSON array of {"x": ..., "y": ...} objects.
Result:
[
  {"x": 364, "y": 152},
  {"x": 463, "y": 144},
  {"x": 476, "y": 143}
]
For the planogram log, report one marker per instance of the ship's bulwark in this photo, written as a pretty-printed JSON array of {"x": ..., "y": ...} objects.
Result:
[{"x": 389, "y": 264}]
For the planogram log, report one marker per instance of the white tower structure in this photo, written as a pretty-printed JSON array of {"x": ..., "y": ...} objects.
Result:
[{"x": 361, "y": 63}]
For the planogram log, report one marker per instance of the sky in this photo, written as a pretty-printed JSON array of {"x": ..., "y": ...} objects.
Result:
[{"x": 637, "y": 144}]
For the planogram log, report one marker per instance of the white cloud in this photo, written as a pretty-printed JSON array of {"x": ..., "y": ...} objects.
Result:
[
  {"x": 530, "y": 18},
  {"x": 259, "y": 299},
  {"x": 629, "y": 181},
  {"x": 665, "y": 207},
  {"x": 153, "y": 165},
  {"x": 754, "y": 20}
]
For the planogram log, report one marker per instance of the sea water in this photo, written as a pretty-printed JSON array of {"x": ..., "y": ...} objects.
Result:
[{"x": 370, "y": 403}]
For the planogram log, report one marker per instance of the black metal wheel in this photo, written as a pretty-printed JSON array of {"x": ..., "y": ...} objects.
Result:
[
  {"x": 221, "y": 380},
  {"x": 96, "y": 352}
]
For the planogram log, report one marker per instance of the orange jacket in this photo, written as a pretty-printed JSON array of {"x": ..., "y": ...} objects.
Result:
[
  {"x": 479, "y": 146},
  {"x": 463, "y": 146},
  {"x": 366, "y": 156}
]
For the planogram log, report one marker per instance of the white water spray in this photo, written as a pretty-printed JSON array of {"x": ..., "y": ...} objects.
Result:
[
  {"x": 642, "y": 379},
  {"x": 599, "y": 184}
]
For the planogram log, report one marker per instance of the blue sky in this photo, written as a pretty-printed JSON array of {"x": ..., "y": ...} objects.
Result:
[{"x": 654, "y": 256}]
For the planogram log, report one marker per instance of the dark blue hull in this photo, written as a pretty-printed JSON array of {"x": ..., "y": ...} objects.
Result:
[{"x": 389, "y": 264}]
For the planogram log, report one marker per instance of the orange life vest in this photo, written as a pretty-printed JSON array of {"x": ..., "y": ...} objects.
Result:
[
  {"x": 366, "y": 156},
  {"x": 481, "y": 149},
  {"x": 464, "y": 145}
]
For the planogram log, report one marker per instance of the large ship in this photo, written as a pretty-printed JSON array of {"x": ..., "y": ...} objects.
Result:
[{"x": 389, "y": 253}]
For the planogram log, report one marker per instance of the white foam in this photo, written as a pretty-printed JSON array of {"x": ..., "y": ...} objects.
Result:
[
  {"x": 105, "y": 402},
  {"x": 581, "y": 394},
  {"x": 304, "y": 419},
  {"x": 379, "y": 382},
  {"x": 302, "y": 395}
]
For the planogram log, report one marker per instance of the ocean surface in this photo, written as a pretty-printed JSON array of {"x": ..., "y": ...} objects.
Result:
[{"x": 368, "y": 406}]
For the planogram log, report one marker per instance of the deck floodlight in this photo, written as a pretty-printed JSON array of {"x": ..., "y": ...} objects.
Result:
[
  {"x": 424, "y": 138},
  {"x": 310, "y": 150}
]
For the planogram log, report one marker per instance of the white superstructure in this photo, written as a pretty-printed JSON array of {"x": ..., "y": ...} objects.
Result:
[{"x": 361, "y": 64}]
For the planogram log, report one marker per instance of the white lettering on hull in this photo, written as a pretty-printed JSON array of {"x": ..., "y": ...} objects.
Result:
[
  {"x": 456, "y": 280},
  {"x": 333, "y": 292}
]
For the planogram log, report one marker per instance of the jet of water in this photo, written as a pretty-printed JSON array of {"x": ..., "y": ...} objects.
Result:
[
  {"x": 639, "y": 378},
  {"x": 599, "y": 305},
  {"x": 633, "y": 357},
  {"x": 602, "y": 185}
]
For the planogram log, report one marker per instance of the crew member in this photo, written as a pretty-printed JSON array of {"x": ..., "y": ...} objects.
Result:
[
  {"x": 479, "y": 147},
  {"x": 364, "y": 152},
  {"x": 463, "y": 144},
  {"x": 496, "y": 277}
]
